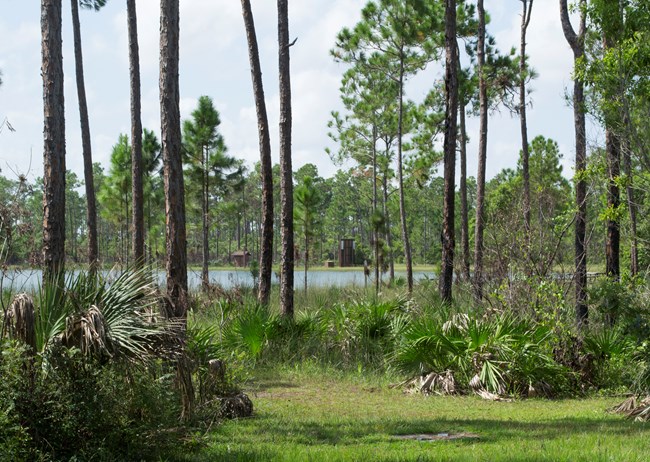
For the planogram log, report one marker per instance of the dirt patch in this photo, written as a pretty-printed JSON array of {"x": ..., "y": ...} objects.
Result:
[{"x": 442, "y": 436}]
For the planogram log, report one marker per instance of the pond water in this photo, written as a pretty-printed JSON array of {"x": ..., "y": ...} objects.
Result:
[{"x": 29, "y": 279}]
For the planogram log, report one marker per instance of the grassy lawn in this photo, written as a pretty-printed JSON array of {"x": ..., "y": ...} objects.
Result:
[{"x": 330, "y": 416}]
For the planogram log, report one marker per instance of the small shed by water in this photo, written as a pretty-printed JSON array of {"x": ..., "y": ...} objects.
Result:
[
  {"x": 241, "y": 258},
  {"x": 346, "y": 252}
]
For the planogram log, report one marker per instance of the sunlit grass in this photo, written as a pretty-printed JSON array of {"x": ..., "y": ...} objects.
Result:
[{"x": 311, "y": 414}]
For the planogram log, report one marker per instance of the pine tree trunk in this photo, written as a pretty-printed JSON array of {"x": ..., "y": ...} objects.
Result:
[
  {"x": 91, "y": 209},
  {"x": 408, "y": 259},
  {"x": 54, "y": 143},
  {"x": 576, "y": 41},
  {"x": 482, "y": 158},
  {"x": 525, "y": 156},
  {"x": 205, "y": 254},
  {"x": 375, "y": 234},
  {"x": 613, "y": 239},
  {"x": 176, "y": 245},
  {"x": 451, "y": 96},
  {"x": 136, "y": 138},
  {"x": 389, "y": 236},
  {"x": 286, "y": 172},
  {"x": 464, "y": 208}
]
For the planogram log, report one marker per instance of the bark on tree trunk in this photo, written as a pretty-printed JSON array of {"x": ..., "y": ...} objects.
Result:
[
  {"x": 286, "y": 172},
  {"x": 576, "y": 41},
  {"x": 451, "y": 96},
  {"x": 375, "y": 234},
  {"x": 482, "y": 158},
  {"x": 205, "y": 254},
  {"x": 408, "y": 259},
  {"x": 464, "y": 208},
  {"x": 612, "y": 243},
  {"x": 525, "y": 156},
  {"x": 176, "y": 244},
  {"x": 54, "y": 143},
  {"x": 631, "y": 203},
  {"x": 136, "y": 138},
  {"x": 91, "y": 209}
]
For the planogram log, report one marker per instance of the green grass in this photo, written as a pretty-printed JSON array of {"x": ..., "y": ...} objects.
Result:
[{"x": 310, "y": 414}]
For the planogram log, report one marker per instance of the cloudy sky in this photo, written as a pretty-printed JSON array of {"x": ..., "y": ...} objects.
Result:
[{"x": 214, "y": 62}]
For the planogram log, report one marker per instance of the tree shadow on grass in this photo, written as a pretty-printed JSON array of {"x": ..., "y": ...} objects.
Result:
[{"x": 264, "y": 439}]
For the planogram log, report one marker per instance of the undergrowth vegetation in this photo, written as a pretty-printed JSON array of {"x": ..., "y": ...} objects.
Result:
[{"x": 89, "y": 370}]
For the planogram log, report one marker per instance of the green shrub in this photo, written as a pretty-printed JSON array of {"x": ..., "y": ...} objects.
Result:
[{"x": 69, "y": 407}]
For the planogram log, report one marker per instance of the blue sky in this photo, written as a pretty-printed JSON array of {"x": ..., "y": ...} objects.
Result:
[{"x": 214, "y": 62}]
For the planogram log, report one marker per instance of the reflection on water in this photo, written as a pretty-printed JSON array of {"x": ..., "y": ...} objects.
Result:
[{"x": 24, "y": 280}]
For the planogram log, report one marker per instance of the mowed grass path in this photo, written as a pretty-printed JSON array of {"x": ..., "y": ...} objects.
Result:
[{"x": 313, "y": 417}]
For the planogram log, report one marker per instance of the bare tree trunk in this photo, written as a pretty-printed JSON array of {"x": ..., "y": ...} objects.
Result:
[
  {"x": 612, "y": 243},
  {"x": 400, "y": 178},
  {"x": 576, "y": 41},
  {"x": 91, "y": 209},
  {"x": 286, "y": 172},
  {"x": 451, "y": 96},
  {"x": 631, "y": 202},
  {"x": 136, "y": 138},
  {"x": 525, "y": 156},
  {"x": 482, "y": 158},
  {"x": 54, "y": 143},
  {"x": 374, "y": 207},
  {"x": 176, "y": 244},
  {"x": 464, "y": 212},
  {"x": 389, "y": 235},
  {"x": 205, "y": 254}
]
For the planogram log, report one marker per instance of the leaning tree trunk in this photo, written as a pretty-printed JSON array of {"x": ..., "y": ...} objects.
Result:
[
  {"x": 136, "y": 138},
  {"x": 266, "y": 245},
  {"x": 576, "y": 41},
  {"x": 525, "y": 155},
  {"x": 451, "y": 114},
  {"x": 286, "y": 172},
  {"x": 482, "y": 158},
  {"x": 54, "y": 143},
  {"x": 91, "y": 210}
]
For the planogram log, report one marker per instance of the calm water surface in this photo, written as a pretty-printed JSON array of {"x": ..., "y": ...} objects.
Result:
[{"x": 22, "y": 280}]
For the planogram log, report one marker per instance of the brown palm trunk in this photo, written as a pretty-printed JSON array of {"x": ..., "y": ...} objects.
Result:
[
  {"x": 482, "y": 158},
  {"x": 451, "y": 96},
  {"x": 136, "y": 138},
  {"x": 91, "y": 210},
  {"x": 54, "y": 142},
  {"x": 286, "y": 173},
  {"x": 576, "y": 41}
]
